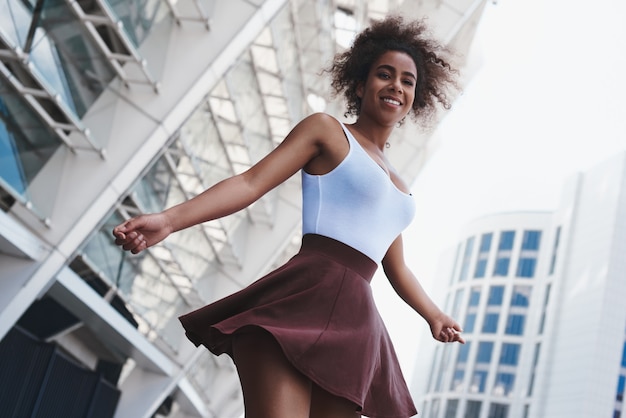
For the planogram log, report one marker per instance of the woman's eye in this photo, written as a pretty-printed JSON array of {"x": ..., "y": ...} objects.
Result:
[
  {"x": 408, "y": 82},
  {"x": 383, "y": 75}
]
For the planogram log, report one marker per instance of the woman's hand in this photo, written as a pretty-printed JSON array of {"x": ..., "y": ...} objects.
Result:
[
  {"x": 446, "y": 329},
  {"x": 137, "y": 234}
]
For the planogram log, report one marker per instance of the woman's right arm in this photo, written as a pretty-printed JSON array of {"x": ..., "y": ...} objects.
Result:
[{"x": 304, "y": 143}]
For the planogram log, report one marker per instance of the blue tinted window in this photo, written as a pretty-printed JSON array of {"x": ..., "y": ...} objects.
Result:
[
  {"x": 463, "y": 352},
  {"x": 481, "y": 267},
  {"x": 465, "y": 264},
  {"x": 470, "y": 321},
  {"x": 515, "y": 324},
  {"x": 457, "y": 380},
  {"x": 624, "y": 355},
  {"x": 496, "y": 294},
  {"x": 502, "y": 266},
  {"x": 478, "y": 381},
  {"x": 510, "y": 354},
  {"x": 506, "y": 240},
  {"x": 504, "y": 384},
  {"x": 619, "y": 396},
  {"x": 531, "y": 240},
  {"x": 521, "y": 296},
  {"x": 485, "y": 348},
  {"x": 490, "y": 324},
  {"x": 485, "y": 242},
  {"x": 526, "y": 267},
  {"x": 474, "y": 297}
]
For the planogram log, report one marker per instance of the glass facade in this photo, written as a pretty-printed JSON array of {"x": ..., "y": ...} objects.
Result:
[
  {"x": 555, "y": 250},
  {"x": 527, "y": 261},
  {"x": 483, "y": 256},
  {"x": 60, "y": 57},
  {"x": 176, "y": 273},
  {"x": 467, "y": 256},
  {"x": 503, "y": 256},
  {"x": 486, "y": 368}
]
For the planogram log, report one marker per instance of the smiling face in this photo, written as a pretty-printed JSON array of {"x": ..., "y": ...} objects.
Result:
[{"x": 389, "y": 90}]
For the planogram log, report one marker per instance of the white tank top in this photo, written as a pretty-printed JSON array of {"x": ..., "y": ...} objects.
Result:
[{"x": 356, "y": 203}]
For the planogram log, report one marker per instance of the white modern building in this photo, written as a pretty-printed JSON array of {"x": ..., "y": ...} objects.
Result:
[
  {"x": 542, "y": 300},
  {"x": 113, "y": 108}
]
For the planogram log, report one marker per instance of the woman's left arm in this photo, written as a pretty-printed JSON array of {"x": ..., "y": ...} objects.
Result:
[{"x": 406, "y": 285}]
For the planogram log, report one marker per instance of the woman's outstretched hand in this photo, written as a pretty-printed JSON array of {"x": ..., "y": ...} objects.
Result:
[
  {"x": 446, "y": 329},
  {"x": 137, "y": 234}
]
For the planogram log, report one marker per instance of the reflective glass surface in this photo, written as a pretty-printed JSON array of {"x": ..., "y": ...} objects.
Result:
[
  {"x": 555, "y": 249},
  {"x": 496, "y": 294},
  {"x": 501, "y": 267},
  {"x": 526, "y": 267},
  {"x": 531, "y": 240},
  {"x": 485, "y": 348},
  {"x": 509, "y": 355},
  {"x": 137, "y": 16},
  {"x": 515, "y": 324},
  {"x": 490, "y": 323},
  {"x": 481, "y": 268},
  {"x": 456, "y": 384},
  {"x": 451, "y": 407},
  {"x": 26, "y": 143},
  {"x": 521, "y": 296},
  {"x": 479, "y": 381},
  {"x": 497, "y": 410},
  {"x": 467, "y": 254},
  {"x": 485, "y": 242},
  {"x": 470, "y": 322},
  {"x": 506, "y": 240},
  {"x": 472, "y": 409}
]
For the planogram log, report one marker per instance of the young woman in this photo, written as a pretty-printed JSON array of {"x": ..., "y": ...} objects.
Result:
[{"x": 307, "y": 339}]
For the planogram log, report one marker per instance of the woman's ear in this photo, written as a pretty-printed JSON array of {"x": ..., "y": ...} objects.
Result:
[{"x": 359, "y": 90}]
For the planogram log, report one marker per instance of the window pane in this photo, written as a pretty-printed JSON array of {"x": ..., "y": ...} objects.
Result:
[
  {"x": 470, "y": 321},
  {"x": 515, "y": 324},
  {"x": 506, "y": 240},
  {"x": 481, "y": 267},
  {"x": 495, "y": 295},
  {"x": 510, "y": 354},
  {"x": 465, "y": 265},
  {"x": 463, "y": 353},
  {"x": 490, "y": 324},
  {"x": 472, "y": 409},
  {"x": 526, "y": 267},
  {"x": 485, "y": 242},
  {"x": 474, "y": 296},
  {"x": 497, "y": 410},
  {"x": 502, "y": 266},
  {"x": 479, "y": 380},
  {"x": 451, "y": 407},
  {"x": 555, "y": 248},
  {"x": 531, "y": 240},
  {"x": 504, "y": 384},
  {"x": 485, "y": 349},
  {"x": 521, "y": 296}
]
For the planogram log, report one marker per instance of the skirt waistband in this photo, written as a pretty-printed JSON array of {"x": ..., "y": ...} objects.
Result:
[{"x": 340, "y": 252}]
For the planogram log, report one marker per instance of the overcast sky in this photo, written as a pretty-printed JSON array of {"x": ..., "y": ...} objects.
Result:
[{"x": 548, "y": 100}]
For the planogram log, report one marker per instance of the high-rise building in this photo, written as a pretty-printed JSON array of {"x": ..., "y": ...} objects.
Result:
[
  {"x": 541, "y": 297},
  {"x": 113, "y": 108}
]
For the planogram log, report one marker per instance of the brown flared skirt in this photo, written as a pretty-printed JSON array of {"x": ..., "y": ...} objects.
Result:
[{"x": 319, "y": 308}]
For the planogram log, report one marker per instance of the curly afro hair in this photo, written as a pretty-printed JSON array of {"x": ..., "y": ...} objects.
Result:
[{"x": 435, "y": 75}]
